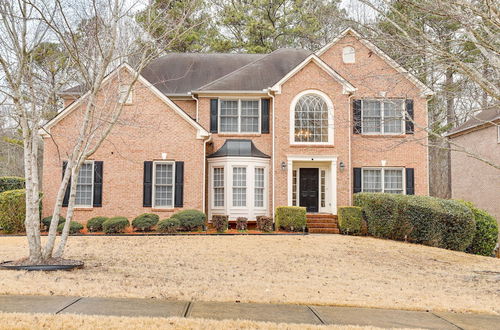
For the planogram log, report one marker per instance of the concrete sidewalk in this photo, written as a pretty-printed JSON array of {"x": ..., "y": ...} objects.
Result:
[{"x": 384, "y": 318}]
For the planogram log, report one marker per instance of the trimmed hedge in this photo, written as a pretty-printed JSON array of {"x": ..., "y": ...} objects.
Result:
[
  {"x": 95, "y": 224},
  {"x": 486, "y": 236},
  {"x": 420, "y": 219},
  {"x": 291, "y": 218},
  {"x": 11, "y": 183},
  {"x": 220, "y": 222},
  {"x": 115, "y": 225},
  {"x": 350, "y": 219},
  {"x": 190, "y": 220},
  {"x": 74, "y": 227},
  {"x": 46, "y": 222},
  {"x": 145, "y": 221},
  {"x": 241, "y": 223},
  {"x": 12, "y": 210},
  {"x": 170, "y": 225},
  {"x": 264, "y": 223}
]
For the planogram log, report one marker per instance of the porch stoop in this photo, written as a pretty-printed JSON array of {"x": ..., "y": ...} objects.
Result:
[{"x": 322, "y": 223}]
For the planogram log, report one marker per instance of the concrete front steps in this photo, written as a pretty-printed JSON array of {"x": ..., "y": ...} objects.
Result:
[{"x": 321, "y": 223}]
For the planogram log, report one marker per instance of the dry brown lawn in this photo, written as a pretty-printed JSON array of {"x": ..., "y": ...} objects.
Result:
[
  {"x": 314, "y": 269},
  {"x": 80, "y": 322}
]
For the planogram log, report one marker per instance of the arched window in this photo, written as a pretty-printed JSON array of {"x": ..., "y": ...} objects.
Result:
[
  {"x": 312, "y": 119},
  {"x": 348, "y": 54}
]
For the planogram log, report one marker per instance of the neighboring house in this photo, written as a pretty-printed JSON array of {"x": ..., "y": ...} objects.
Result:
[
  {"x": 240, "y": 134},
  {"x": 472, "y": 179}
]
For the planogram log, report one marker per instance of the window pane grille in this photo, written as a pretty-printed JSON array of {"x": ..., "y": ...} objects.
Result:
[
  {"x": 218, "y": 186},
  {"x": 250, "y": 116},
  {"x": 259, "y": 187},
  {"x": 323, "y": 187},
  {"x": 239, "y": 186},
  {"x": 228, "y": 116},
  {"x": 311, "y": 119},
  {"x": 294, "y": 188},
  {"x": 164, "y": 185},
  {"x": 372, "y": 117},
  {"x": 383, "y": 180},
  {"x": 393, "y": 117},
  {"x": 382, "y": 116},
  {"x": 372, "y": 180},
  {"x": 393, "y": 181},
  {"x": 84, "y": 185}
]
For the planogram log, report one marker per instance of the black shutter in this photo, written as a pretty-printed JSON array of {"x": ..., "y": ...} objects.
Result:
[
  {"x": 148, "y": 184},
  {"x": 68, "y": 188},
  {"x": 264, "y": 126},
  {"x": 214, "y": 109},
  {"x": 98, "y": 183},
  {"x": 356, "y": 106},
  {"x": 409, "y": 116},
  {"x": 410, "y": 181},
  {"x": 179, "y": 184},
  {"x": 357, "y": 179}
]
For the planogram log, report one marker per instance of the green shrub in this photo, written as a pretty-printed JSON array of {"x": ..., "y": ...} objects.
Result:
[
  {"x": 170, "y": 225},
  {"x": 486, "y": 236},
  {"x": 12, "y": 210},
  {"x": 46, "y": 222},
  {"x": 11, "y": 183},
  {"x": 95, "y": 224},
  {"x": 241, "y": 223},
  {"x": 190, "y": 219},
  {"x": 115, "y": 225},
  {"x": 350, "y": 219},
  {"x": 291, "y": 218},
  {"x": 74, "y": 227},
  {"x": 145, "y": 222},
  {"x": 264, "y": 223},
  {"x": 220, "y": 222},
  {"x": 420, "y": 219}
]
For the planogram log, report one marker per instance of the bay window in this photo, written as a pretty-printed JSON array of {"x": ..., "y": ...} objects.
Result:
[
  {"x": 218, "y": 185},
  {"x": 259, "y": 187},
  {"x": 240, "y": 186}
]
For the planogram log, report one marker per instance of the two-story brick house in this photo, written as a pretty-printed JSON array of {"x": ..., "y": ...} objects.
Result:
[{"x": 240, "y": 134}]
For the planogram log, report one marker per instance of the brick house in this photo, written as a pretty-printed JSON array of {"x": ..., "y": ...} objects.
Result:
[
  {"x": 240, "y": 134},
  {"x": 472, "y": 179}
]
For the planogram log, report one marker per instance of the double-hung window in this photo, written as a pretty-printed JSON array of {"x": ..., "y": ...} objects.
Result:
[
  {"x": 386, "y": 180},
  {"x": 239, "y": 116},
  {"x": 218, "y": 186},
  {"x": 85, "y": 185},
  {"x": 259, "y": 187},
  {"x": 382, "y": 116},
  {"x": 239, "y": 186},
  {"x": 163, "y": 189}
]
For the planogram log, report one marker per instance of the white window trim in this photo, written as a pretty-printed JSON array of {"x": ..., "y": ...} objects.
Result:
[
  {"x": 129, "y": 99},
  {"x": 154, "y": 185},
  {"x": 239, "y": 132},
  {"x": 403, "y": 104},
  {"x": 264, "y": 189},
  {"x": 92, "y": 198},
  {"x": 402, "y": 169},
  {"x": 246, "y": 186},
  {"x": 212, "y": 194},
  {"x": 331, "y": 117}
]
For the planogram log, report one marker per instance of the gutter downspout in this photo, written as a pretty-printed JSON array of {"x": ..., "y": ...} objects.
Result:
[
  {"x": 197, "y": 111},
  {"x": 350, "y": 146},
  {"x": 272, "y": 153},
  {"x": 205, "y": 173}
]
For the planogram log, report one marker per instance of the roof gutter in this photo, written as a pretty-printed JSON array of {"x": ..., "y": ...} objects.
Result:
[{"x": 264, "y": 91}]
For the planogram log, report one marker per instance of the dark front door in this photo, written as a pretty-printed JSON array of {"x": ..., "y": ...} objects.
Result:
[{"x": 309, "y": 188}]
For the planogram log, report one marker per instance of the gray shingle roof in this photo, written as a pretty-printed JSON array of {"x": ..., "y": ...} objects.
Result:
[
  {"x": 238, "y": 148},
  {"x": 484, "y": 117},
  {"x": 260, "y": 74}
]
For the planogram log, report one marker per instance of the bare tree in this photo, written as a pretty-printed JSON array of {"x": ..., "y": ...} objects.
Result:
[{"x": 101, "y": 43}]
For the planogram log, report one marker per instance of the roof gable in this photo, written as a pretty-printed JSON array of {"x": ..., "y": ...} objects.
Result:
[
  {"x": 200, "y": 131},
  {"x": 347, "y": 87},
  {"x": 425, "y": 91}
]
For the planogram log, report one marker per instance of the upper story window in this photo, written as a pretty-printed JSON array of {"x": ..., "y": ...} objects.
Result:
[
  {"x": 382, "y": 117},
  {"x": 312, "y": 119},
  {"x": 85, "y": 185},
  {"x": 124, "y": 96},
  {"x": 163, "y": 188},
  {"x": 386, "y": 180},
  {"x": 348, "y": 54},
  {"x": 239, "y": 116}
]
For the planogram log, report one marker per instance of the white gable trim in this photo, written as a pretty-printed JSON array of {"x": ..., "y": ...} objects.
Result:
[
  {"x": 426, "y": 91},
  {"x": 201, "y": 133},
  {"x": 347, "y": 87}
]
